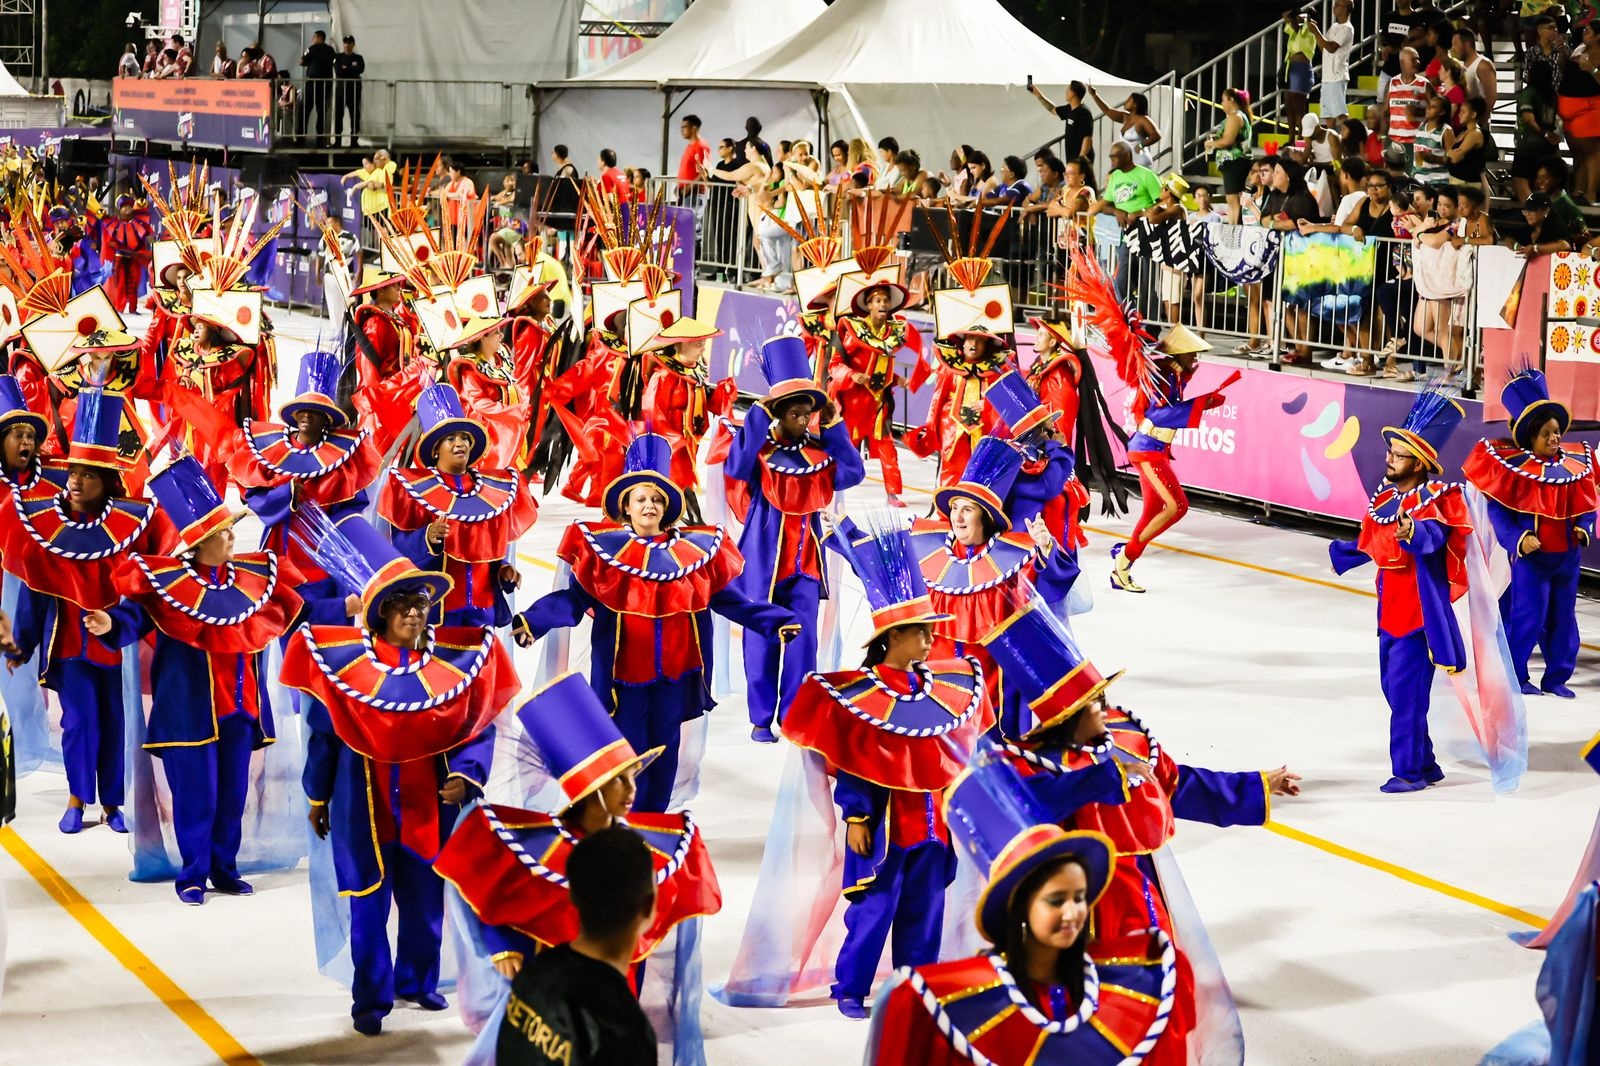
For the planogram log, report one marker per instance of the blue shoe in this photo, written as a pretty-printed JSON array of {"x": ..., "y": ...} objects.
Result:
[
  {"x": 369, "y": 1023},
  {"x": 72, "y": 821},
  {"x": 233, "y": 886},
  {"x": 1433, "y": 775},
  {"x": 193, "y": 895},
  {"x": 1530, "y": 689},
  {"x": 428, "y": 1000},
  {"x": 852, "y": 1007},
  {"x": 763, "y": 735},
  {"x": 1400, "y": 784},
  {"x": 115, "y": 822},
  {"x": 1561, "y": 691}
]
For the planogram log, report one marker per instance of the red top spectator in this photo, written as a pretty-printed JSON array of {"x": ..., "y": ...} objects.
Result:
[
  {"x": 1408, "y": 86},
  {"x": 457, "y": 193},
  {"x": 185, "y": 55},
  {"x": 695, "y": 153},
  {"x": 612, "y": 179}
]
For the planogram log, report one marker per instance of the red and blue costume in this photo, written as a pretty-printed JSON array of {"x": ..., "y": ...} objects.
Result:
[
  {"x": 486, "y": 512},
  {"x": 65, "y": 562},
  {"x": 125, "y": 245},
  {"x": 651, "y": 599},
  {"x": 679, "y": 403},
  {"x": 1419, "y": 577},
  {"x": 209, "y": 709},
  {"x": 1162, "y": 411},
  {"x": 960, "y": 415},
  {"x": 1552, "y": 500},
  {"x": 868, "y": 410},
  {"x": 787, "y": 483},
  {"x": 278, "y": 474},
  {"x": 1045, "y": 486}
]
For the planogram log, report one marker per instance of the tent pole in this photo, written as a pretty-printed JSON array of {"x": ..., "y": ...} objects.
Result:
[{"x": 666, "y": 127}]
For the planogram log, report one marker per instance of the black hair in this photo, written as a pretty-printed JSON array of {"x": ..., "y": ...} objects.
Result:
[
  {"x": 779, "y": 406},
  {"x": 1466, "y": 34},
  {"x": 560, "y": 151},
  {"x": 908, "y": 158},
  {"x": 785, "y": 146},
  {"x": 878, "y": 649},
  {"x": 608, "y": 156},
  {"x": 1016, "y": 166},
  {"x": 889, "y": 144},
  {"x": 859, "y": 179},
  {"x": 611, "y": 879},
  {"x": 1544, "y": 20},
  {"x": 842, "y": 145},
  {"x": 982, "y": 159},
  {"x": 1069, "y": 963},
  {"x": 1078, "y": 89},
  {"x": 1354, "y": 166},
  {"x": 1140, "y": 102},
  {"x": 1052, "y": 163},
  {"x": 752, "y": 125},
  {"x": 726, "y": 141},
  {"x": 693, "y": 120},
  {"x": 1470, "y": 192},
  {"x": 1557, "y": 168}
]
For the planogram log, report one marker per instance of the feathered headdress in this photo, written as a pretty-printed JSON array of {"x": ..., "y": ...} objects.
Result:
[
  {"x": 40, "y": 279},
  {"x": 1433, "y": 417},
  {"x": 820, "y": 238},
  {"x": 968, "y": 262},
  {"x": 1123, "y": 335},
  {"x": 408, "y": 202},
  {"x": 454, "y": 260},
  {"x": 629, "y": 241},
  {"x": 236, "y": 249},
  {"x": 183, "y": 212}
]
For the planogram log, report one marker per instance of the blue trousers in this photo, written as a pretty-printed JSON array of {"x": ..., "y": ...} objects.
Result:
[
  {"x": 1405, "y": 669},
  {"x": 1541, "y": 608},
  {"x": 92, "y": 720},
  {"x": 412, "y": 967},
  {"x": 209, "y": 784},
  {"x": 907, "y": 899},
  {"x": 773, "y": 670},
  {"x": 652, "y": 716}
]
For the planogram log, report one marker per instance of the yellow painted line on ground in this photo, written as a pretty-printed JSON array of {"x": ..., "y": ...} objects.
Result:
[
  {"x": 1409, "y": 876},
  {"x": 543, "y": 564},
  {"x": 97, "y": 925}
]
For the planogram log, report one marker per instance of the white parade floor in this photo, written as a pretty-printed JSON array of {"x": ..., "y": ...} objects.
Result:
[{"x": 1367, "y": 929}]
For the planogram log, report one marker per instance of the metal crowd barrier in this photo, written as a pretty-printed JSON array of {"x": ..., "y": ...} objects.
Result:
[{"x": 439, "y": 112}]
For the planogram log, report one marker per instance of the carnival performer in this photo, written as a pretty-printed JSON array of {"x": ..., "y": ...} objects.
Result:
[
  {"x": 63, "y": 544},
  {"x": 1415, "y": 531},
  {"x": 22, "y": 431},
  {"x": 1046, "y": 485},
  {"x": 1541, "y": 494},
  {"x": 788, "y": 475},
  {"x": 508, "y": 863},
  {"x": 528, "y": 304},
  {"x": 310, "y": 457},
  {"x": 213, "y": 614},
  {"x": 650, "y": 586},
  {"x": 1158, "y": 375},
  {"x": 863, "y": 378},
  {"x": 973, "y": 562},
  {"x": 960, "y": 415},
  {"x": 450, "y": 517},
  {"x": 386, "y": 329},
  {"x": 125, "y": 241},
  {"x": 589, "y": 391},
  {"x": 174, "y": 260},
  {"x": 485, "y": 377},
  {"x": 1079, "y": 735},
  {"x": 401, "y": 718},
  {"x": 892, "y": 734},
  {"x": 1048, "y": 990},
  {"x": 106, "y": 357},
  {"x": 680, "y": 399}
]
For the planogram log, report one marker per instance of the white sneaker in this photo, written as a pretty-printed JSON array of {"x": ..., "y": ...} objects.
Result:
[{"x": 1338, "y": 362}]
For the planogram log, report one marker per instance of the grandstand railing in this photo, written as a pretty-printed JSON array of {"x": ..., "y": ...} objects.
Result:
[{"x": 406, "y": 111}]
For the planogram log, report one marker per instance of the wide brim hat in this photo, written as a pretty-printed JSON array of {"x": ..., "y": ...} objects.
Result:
[
  {"x": 911, "y": 613},
  {"x": 619, "y": 488},
  {"x": 313, "y": 401},
  {"x": 400, "y": 576},
  {"x": 25, "y": 417},
  {"x": 236, "y": 312},
  {"x": 898, "y": 296},
  {"x": 104, "y": 340},
  {"x": 526, "y": 283},
  {"x": 685, "y": 328},
  {"x": 982, "y": 495},
  {"x": 474, "y": 328},
  {"x": 1534, "y": 416},
  {"x": 1181, "y": 340},
  {"x": 1414, "y": 444},
  {"x": 1075, "y": 691},
  {"x": 374, "y": 279},
  {"x": 1061, "y": 331},
  {"x": 788, "y": 390},
  {"x": 1037, "y": 847},
  {"x": 428, "y": 443}
]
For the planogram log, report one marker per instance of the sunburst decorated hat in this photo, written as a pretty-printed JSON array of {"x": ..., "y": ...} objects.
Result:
[
  {"x": 576, "y": 738},
  {"x": 995, "y": 820}
]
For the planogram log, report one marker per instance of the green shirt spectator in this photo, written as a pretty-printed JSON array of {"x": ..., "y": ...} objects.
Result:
[{"x": 1133, "y": 190}]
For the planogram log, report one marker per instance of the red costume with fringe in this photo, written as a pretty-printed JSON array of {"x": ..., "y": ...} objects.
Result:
[{"x": 868, "y": 409}]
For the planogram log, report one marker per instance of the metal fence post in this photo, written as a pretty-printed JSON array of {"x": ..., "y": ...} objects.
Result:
[
  {"x": 1275, "y": 335},
  {"x": 393, "y": 97},
  {"x": 741, "y": 238}
]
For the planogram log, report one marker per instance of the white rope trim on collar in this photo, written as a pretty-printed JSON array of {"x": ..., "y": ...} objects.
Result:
[
  {"x": 923, "y": 671},
  {"x": 192, "y": 612},
  {"x": 82, "y": 557},
  {"x": 476, "y": 492},
  {"x": 324, "y": 468},
  {"x": 539, "y": 869},
  {"x": 650, "y": 575},
  {"x": 470, "y": 675}
]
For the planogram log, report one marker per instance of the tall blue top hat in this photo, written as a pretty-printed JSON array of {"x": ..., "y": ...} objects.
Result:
[
  {"x": 14, "y": 409},
  {"x": 1018, "y": 405},
  {"x": 185, "y": 491},
  {"x": 995, "y": 820},
  {"x": 648, "y": 462},
  {"x": 882, "y": 557},
  {"x": 1529, "y": 406},
  {"x": 787, "y": 368},
  {"x": 362, "y": 561},
  {"x": 576, "y": 738},
  {"x": 1039, "y": 659},
  {"x": 440, "y": 412},
  {"x": 317, "y": 387},
  {"x": 1434, "y": 415},
  {"x": 987, "y": 480},
  {"x": 96, "y": 428}
]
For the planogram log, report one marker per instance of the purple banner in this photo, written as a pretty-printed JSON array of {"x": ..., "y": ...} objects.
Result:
[
  {"x": 51, "y": 136},
  {"x": 213, "y": 113}
]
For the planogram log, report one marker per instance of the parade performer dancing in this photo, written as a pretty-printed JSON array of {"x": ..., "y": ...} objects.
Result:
[
  {"x": 1049, "y": 991},
  {"x": 509, "y": 864},
  {"x": 213, "y": 614},
  {"x": 63, "y": 546},
  {"x": 1541, "y": 499},
  {"x": 1158, "y": 375},
  {"x": 1072, "y": 761},
  {"x": 789, "y": 476},
  {"x": 1046, "y": 485},
  {"x": 892, "y": 734},
  {"x": 1419, "y": 533},
  {"x": 457, "y": 520},
  {"x": 401, "y": 717},
  {"x": 125, "y": 244},
  {"x": 650, "y": 587}
]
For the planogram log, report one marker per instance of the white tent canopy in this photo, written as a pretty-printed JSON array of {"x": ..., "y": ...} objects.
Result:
[
  {"x": 710, "y": 35},
  {"x": 9, "y": 85}
]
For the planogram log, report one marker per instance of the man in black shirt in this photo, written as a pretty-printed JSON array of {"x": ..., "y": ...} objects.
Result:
[
  {"x": 752, "y": 138},
  {"x": 573, "y": 1004},
  {"x": 1079, "y": 142},
  {"x": 348, "y": 67},
  {"x": 318, "y": 61}
]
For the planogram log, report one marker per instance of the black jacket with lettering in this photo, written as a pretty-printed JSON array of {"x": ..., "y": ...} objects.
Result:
[{"x": 568, "y": 1008}]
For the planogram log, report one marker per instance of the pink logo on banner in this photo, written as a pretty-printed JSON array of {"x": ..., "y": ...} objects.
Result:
[
  {"x": 1281, "y": 438},
  {"x": 172, "y": 15}
]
